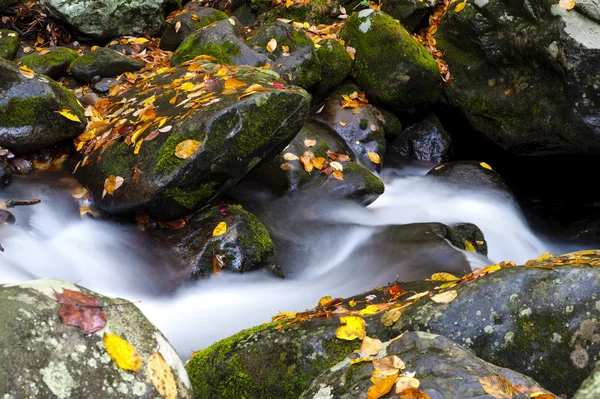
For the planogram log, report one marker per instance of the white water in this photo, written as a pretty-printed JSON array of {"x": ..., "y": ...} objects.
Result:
[{"x": 50, "y": 240}]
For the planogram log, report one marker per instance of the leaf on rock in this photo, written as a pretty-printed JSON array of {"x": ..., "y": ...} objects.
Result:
[
  {"x": 382, "y": 387},
  {"x": 318, "y": 162},
  {"x": 26, "y": 72},
  {"x": 122, "y": 353},
  {"x": 338, "y": 175},
  {"x": 112, "y": 183},
  {"x": 388, "y": 366},
  {"x": 223, "y": 209},
  {"x": 498, "y": 387},
  {"x": 460, "y": 6},
  {"x": 336, "y": 165},
  {"x": 306, "y": 159},
  {"x": 391, "y": 316},
  {"x": 162, "y": 376},
  {"x": 544, "y": 257},
  {"x": 371, "y": 309},
  {"x": 542, "y": 395},
  {"x": 177, "y": 26},
  {"x": 352, "y": 303},
  {"x": 279, "y": 85},
  {"x": 325, "y": 300},
  {"x": 288, "y": 156},
  {"x": 485, "y": 165},
  {"x": 413, "y": 393},
  {"x": 567, "y": 4},
  {"x": 406, "y": 382},
  {"x": 354, "y": 328},
  {"x": 374, "y": 157},
  {"x": 310, "y": 142},
  {"x": 442, "y": 276},
  {"x": 272, "y": 45},
  {"x": 187, "y": 148},
  {"x": 371, "y": 346},
  {"x": 70, "y": 116},
  {"x": 80, "y": 310},
  {"x": 445, "y": 297},
  {"x": 469, "y": 246},
  {"x": 220, "y": 229}
]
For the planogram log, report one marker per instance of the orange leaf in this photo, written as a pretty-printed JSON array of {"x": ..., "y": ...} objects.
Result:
[
  {"x": 413, "y": 393},
  {"x": 382, "y": 387},
  {"x": 498, "y": 387},
  {"x": 318, "y": 162},
  {"x": 338, "y": 175},
  {"x": 112, "y": 183},
  {"x": 374, "y": 157},
  {"x": 272, "y": 45},
  {"x": 187, "y": 148},
  {"x": 371, "y": 346}
]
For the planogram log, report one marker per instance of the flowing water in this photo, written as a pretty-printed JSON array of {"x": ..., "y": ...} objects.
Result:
[{"x": 51, "y": 240}]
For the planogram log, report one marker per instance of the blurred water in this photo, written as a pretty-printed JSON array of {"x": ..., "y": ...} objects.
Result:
[{"x": 52, "y": 240}]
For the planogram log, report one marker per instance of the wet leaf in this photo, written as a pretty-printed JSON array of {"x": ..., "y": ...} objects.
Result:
[
  {"x": 165, "y": 129},
  {"x": 460, "y": 6},
  {"x": 232, "y": 84},
  {"x": 374, "y": 157},
  {"x": 153, "y": 134},
  {"x": 382, "y": 387},
  {"x": 122, "y": 352},
  {"x": 567, "y": 4},
  {"x": 388, "y": 365},
  {"x": 498, "y": 387},
  {"x": 417, "y": 296},
  {"x": 371, "y": 346},
  {"x": 272, "y": 45},
  {"x": 318, "y": 162},
  {"x": 80, "y": 310},
  {"x": 70, "y": 116},
  {"x": 162, "y": 376},
  {"x": 112, "y": 183},
  {"x": 26, "y": 72},
  {"x": 306, "y": 159},
  {"x": 542, "y": 395},
  {"x": 187, "y": 148},
  {"x": 288, "y": 156},
  {"x": 325, "y": 300},
  {"x": 413, "y": 393},
  {"x": 445, "y": 297},
  {"x": 310, "y": 142},
  {"x": 336, "y": 165},
  {"x": 443, "y": 276},
  {"x": 177, "y": 26},
  {"x": 286, "y": 166},
  {"x": 485, "y": 165},
  {"x": 220, "y": 229},
  {"x": 338, "y": 175},
  {"x": 278, "y": 85},
  {"x": 469, "y": 246},
  {"x": 354, "y": 328},
  {"x": 371, "y": 309},
  {"x": 391, "y": 316},
  {"x": 289, "y": 3},
  {"x": 352, "y": 303},
  {"x": 404, "y": 382},
  {"x": 544, "y": 257}
]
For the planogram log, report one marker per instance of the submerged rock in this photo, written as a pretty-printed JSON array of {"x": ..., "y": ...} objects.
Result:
[
  {"x": 54, "y": 63},
  {"x": 425, "y": 140},
  {"x": 186, "y": 24},
  {"x": 103, "y": 62},
  {"x": 9, "y": 43},
  {"x": 29, "y": 111},
  {"x": 212, "y": 135},
  {"x": 43, "y": 357}
]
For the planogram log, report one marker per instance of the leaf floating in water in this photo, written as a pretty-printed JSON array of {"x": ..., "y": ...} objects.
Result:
[
  {"x": 162, "y": 376},
  {"x": 67, "y": 114},
  {"x": 220, "y": 229},
  {"x": 498, "y": 387},
  {"x": 122, "y": 352},
  {"x": 187, "y": 148},
  {"x": 80, "y": 310}
]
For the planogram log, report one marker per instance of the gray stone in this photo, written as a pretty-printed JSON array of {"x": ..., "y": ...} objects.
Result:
[
  {"x": 186, "y": 24},
  {"x": 103, "y": 62}
]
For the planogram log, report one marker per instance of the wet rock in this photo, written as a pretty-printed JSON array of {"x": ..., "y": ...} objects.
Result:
[
  {"x": 6, "y": 173},
  {"x": 89, "y": 99},
  {"x": 9, "y": 43},
  {"x": 104, "y": 85},
  {"x": 232, "y": 135},
  {"x": 286, "y": 175},
  {"x": 5, "y": 3},
  {"x": 105, "y": 20},
  {"x": 590, "y": 389},
  {"x": 406, "y": 78},
  {"x": 61, "y": 361},
  {"x": 413, "y": 14},
  {"x": 530, "y": 90},
  {"x": 21, "y": 166},
  {"x": 469, "y": 237},
  {"x": 103, "y": 62},
  {"x": 54, "y": 63},
  {"x": 313, "y": 13},
  {"x": 335, "y": 63},
  {"x": 245, "y": 15},
  {"x": 126, "y": 46},
  {"x": 6, "y": 218},
  {"x": 469, "y": 173},
  {"x": 29, "y": 118},
  {"x": 243, "y": 247},
  {"x": 444, "y": 369},
  {"x": 223, "y": 40},
  {"x": 188, "y": 23},
  {"x": 425, "y": 140}
]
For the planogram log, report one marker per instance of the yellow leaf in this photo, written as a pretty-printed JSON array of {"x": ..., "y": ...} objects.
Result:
[
  {"x": 485, "y": 165},
  {"x": 231, "y": 84},
  {"x": 352, "y": 303},
  {"x": 371, "y": 309},
  {"x": 122, "y": 353},
  {"x": 288, "y": 156},
  {"x": 374, "y": 157},
  {"x": 26, "y": 72},
  {"x": 443, "y": 276},
  {"x": 186, "y": 148},
  {"x": 342, "y": 123},
  {"x": 567, "y": 4},
  {"x": 543, "y": 257},
  {"x": 220, "y": 229},
  {"x": 162, "y": 376},
  {"x": 289, "y": 3},
  {"x": 413, "y": 393},
  {"x": 460, "y": 6},
  {"x": 67, "y": 114},
  {"x": 360, "y": 360},
  {"x": 469, "y": 246},
  {"x": 318, "y": 162},
  {"x": 272, "y": 45},
  {"x": 371, "y": 346},
  {"x": 140, "y": 40},
  {"x": 391, "y": 316},
  {"x": 498, "y": 387},
  {"x": 406, "y": 382},
  {"x": 338, "y": 175},
  {"x": 445, "y": 297},
  {"x": 112, "y": 183},
  {"x": 491, "y": 269},
  {"x": 417, "y": 296},
  {"x": 354, "y": 328},
  {"x": 382, "y": 387},
  {"x": 325, "y": 300},
  {"x": 310, "y": 143},
  {"x": 542, "y": 395}
]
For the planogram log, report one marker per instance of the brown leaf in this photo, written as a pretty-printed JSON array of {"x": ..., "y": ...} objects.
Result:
[
  {"x": 413, "y": 393},
  {"x": 218, "y": 263},
  {"x": 338, "y": 175},
  {"x": 112, "y": 183},
  {"x": 80, "y": 310},
  {"x": 382, "y": 387},
  {"x": 371, "y": 346},
  {"x": 445, "y": 297},
  {"x": 272, "y": 45},
  {"x": 391, "y": 317},
  {"x": 406, "y": 382},
  {"x": 498, "y": 387},
  {"x": 388, "y": 365},
  {"x": 306, "y": 160}
]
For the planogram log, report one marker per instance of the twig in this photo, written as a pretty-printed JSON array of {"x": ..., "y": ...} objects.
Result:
[{"x": 13, "y": 203}]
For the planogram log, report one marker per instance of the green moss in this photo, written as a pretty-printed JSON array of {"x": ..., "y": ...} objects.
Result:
[
  {"x": 84, "y": 60},
  {"x": 257, "y": 239},
  {"x": 373, "y": 184},
  {"x": 167, "y": 161},
  {"x": 297, "y": 13},
  {"x": 335, "y": 64},
  {"x": 21, "y": 112},
  {"x": 55, "y": 57},
  {"x": 364, "y": 124},
  {"x": 190, "y": 49},
  {"x": 191, "y": 198},
  {"x": 116, "y": 160},
  {"x": 206, "y": 19},
  {"x": 9, "y": 45}
]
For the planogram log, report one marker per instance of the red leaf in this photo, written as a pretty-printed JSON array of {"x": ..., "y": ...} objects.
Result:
[
  {"x": 278, "y": 85},
  {"x": 80, "y": 310},
  {"x": 223, "y": 209}
]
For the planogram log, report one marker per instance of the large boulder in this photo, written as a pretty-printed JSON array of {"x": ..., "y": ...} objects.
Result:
[
  {"x": 411, "y": 13},
  {"x": 186, "y": 24},
  {"x": 392, "y": 68},
  {"x": 103, "y": 62},
  {"x": 442, "y": 370},
  {"x": 425, "y": 140},
  {"x": 44, "y": 353},
  {"x": 9, "y": 43},
  {"x": 53, "y": 63},
  {"x": 182, "y": 137},
  {"x": 104, "y": 20},
  {"x": 526, "y": 75},
  {"x": 335, "y": 64},
  {"x": 29, "y": 110},
  {"x": 469, "y": 173}
]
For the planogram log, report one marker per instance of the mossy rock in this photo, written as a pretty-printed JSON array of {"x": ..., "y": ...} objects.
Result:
[
  {"x": 29, "y": 118},
  {"x": 393, "y": 69},
  {"x": 103, "y": 62},
  {"x": 335, "y": 63},
  {"x": 243, "y": 247},
  {"x": 444, "y": 369},
  {"x": 424, "y": 140},
  {"x": 186, "y": 24},
  {"x": 300, "y": 66},
  {"x": 315, "y": 12},
  {"x": 9, "y": 43},
  {"x": 234, "y": 135},
  {"x": 54, "y": 63},
  {"x": 412, "y": 14},
  {"x": 223, "y": 40},
  {"x": 43, "y": 357}
]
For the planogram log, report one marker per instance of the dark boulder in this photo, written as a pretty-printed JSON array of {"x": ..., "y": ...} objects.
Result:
[
  {"x": 103, "y": 62},
  {"x": 469, "y": 173},
  {"x": 425, "y": 140},
  {"x": 186, "y": 24},
  {"x": 53, "y": 63}
]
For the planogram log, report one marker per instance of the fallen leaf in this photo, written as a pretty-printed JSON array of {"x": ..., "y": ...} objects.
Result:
[
  {"x": 272, "y": 45},
  {"x": 223, "y": 209},
  {"x": 338, "y": 175},
  {"x": 310, "y": 142},
  {"x": 445, "y": 297},
  {"x": 112, "y": 183},
  {"x": 232, "y": 84},
  {"x": 325, "y": 300},
  {"x": 352, "y": 303},
  {"x": 498, "y": 387},
  {"x": 417, "y": 296},
  {"x": 381, "y": 387},
  {"x": 542, "y": 395},
  {"x": 567, "y": 4},
  {"x": 162, "y": 376},
  {"x": 442, "y": 276},
  {"x": 354, "y": 327},
  {"x": 187, "y": 148},
  {"x": 460, "y": 6},
  {"x": 361, "y": 360},
  {"x": 177, "y": 26},
  {"x": 371, "y": 309},
  {"x": 413, "y": 393},
  {"x": 67, "y": 114},
  {"x": 404, "y": 382},
  {"x": 371, "y": 346},
  {"x": 220, "y": 229},
  {"x": 342, "y": 123},
  {"x": 289, "y": 3},
  {"x": 336, "y": 165},
  {"x": 165, "y": 129},
  {"x": 374, "y": 157},
  {"x": 26, "y": 72},
  {"x": 388, "y": 365},
  {"x": 469, "y": 246},
  {"x": 278, "y": 85},
  {"x": 544, "y": 257},
  {"x": 318, "y": 162},
  {"x": 288, "y": 156},
  {"x": 391, "y": 316},
  {"x": 122, "y": 352},
  {"x": 306, "y": 161},
  {"x": 485, "y": 165},
  {"x": 80, "y": 310},
  {"x": 286, "y": 166},
  {"x": 218, "y": 263}
]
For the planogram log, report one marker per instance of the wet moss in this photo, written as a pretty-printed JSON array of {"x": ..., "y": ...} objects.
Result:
[
  {"x": 335, "y": 64},
  {"x": 55, "y": 57},
  {"x": 257, "y": 241},
  {"x": 190, "y": 49},
  {"x": 167, "y": 161},
  {"x": 116, "y": 160},
  {"x": 364, "y": 124},
  {"x": 192, "y": 198},
  {"x": 21, "y": 111}
]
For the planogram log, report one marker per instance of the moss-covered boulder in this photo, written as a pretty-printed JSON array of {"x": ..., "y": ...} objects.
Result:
[
  {"x": 187, "y": 23},
  {"x": 526, "y": 77},
  {"x": 244, "y": 246},
  {"x": 223, "y": 40},
  {"x": 314, "y": 12},
  {"x": 44, "y": 357},
  {"x": 413, "y": 14},
  {"x": 9, "y": 43},
  {"x": 470, "y": 173},
  {"x": 182, "y": 139},
  {"x": 424, "y": 140},
  {"x": 335, "y": 64},
  {"x": 29, "y": 111},
  {"x": 393, "y": 69},
  {"x": 359, "y": 125},
  {"x": 104, "y": 20},
  {"x": 443, "y": 369},
  {"x": 286, "y": 174},
  {"x": 53, "y": 63},
  {"x": 294, "y": 58},
  {"x": 103, "y": 62}
]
